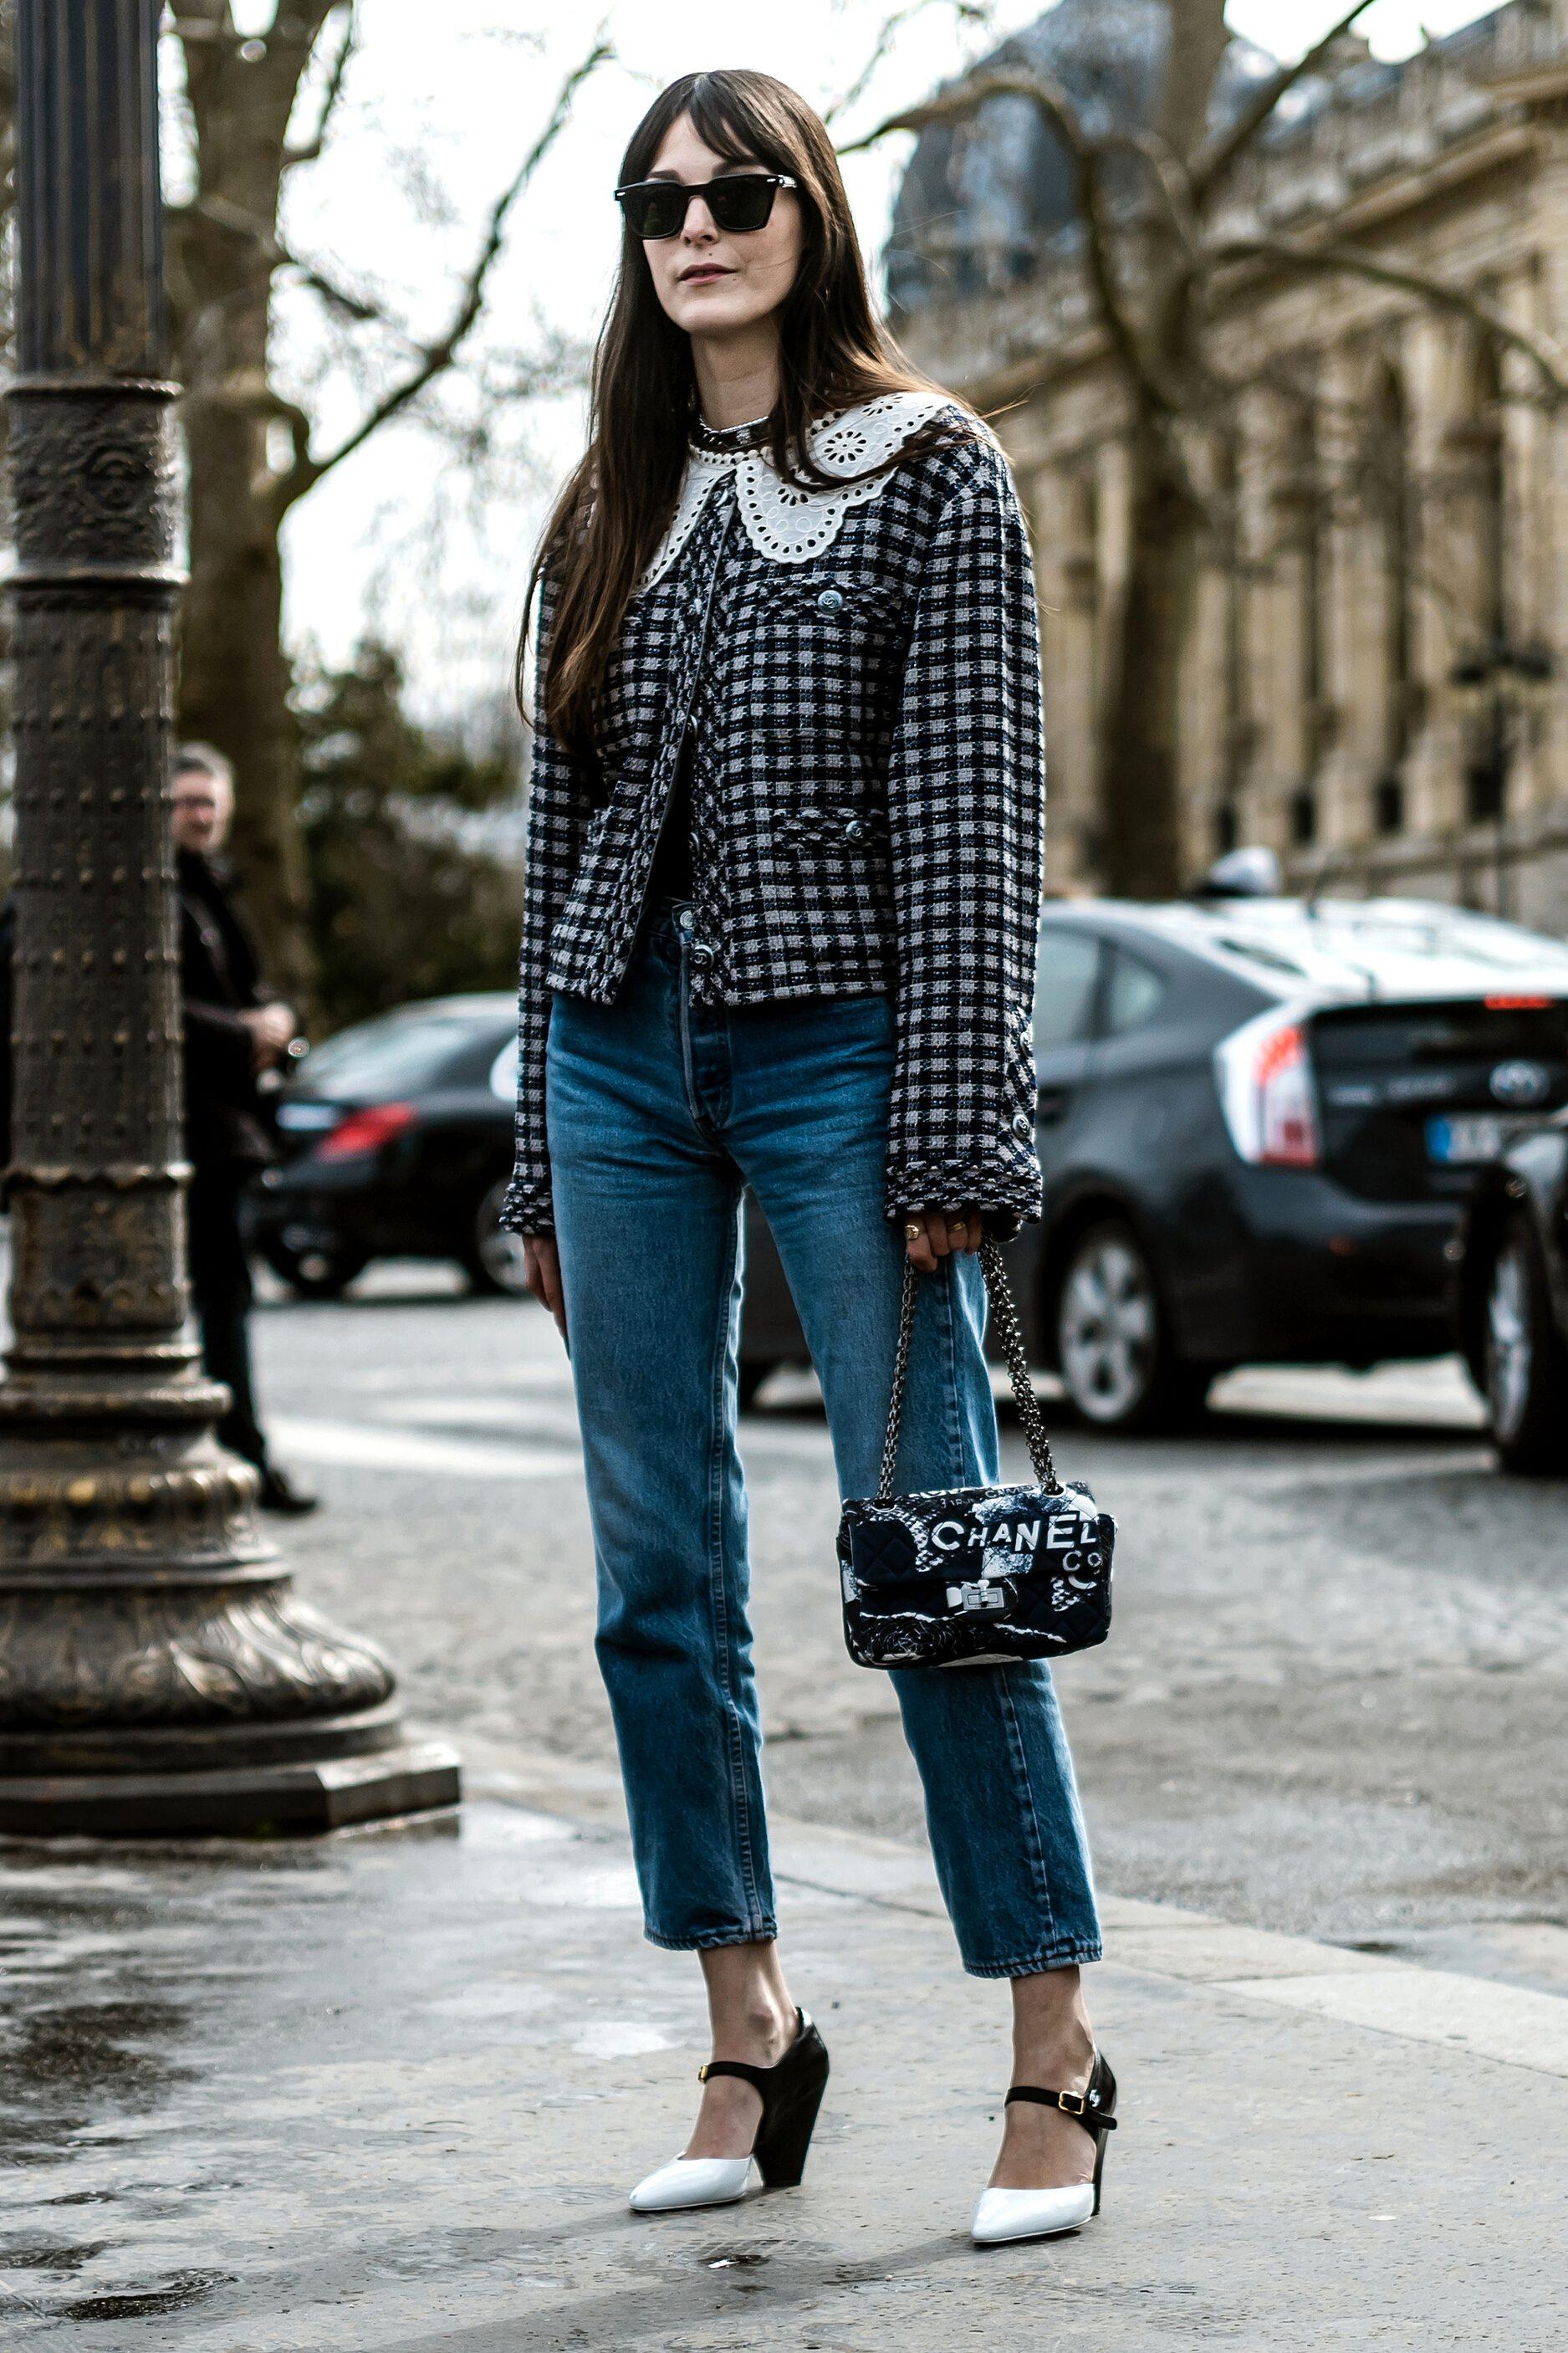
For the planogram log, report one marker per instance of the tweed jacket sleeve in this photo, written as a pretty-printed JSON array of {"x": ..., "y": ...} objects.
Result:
[
  {"x": 965, "y": 807},
  {"x": 558, "y": 815}
]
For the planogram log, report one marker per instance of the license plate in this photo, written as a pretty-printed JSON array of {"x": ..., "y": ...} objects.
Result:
[{"x": 1467, "y": 1137}]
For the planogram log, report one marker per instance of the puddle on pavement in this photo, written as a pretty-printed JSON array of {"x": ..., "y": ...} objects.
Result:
[
  {"x": 174, "y": 2295},
  {"x": 52, "y": 2256},
  {"x": 65, "y": 2063}
]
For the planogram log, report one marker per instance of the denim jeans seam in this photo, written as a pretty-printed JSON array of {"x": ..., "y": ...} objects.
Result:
[
  {"x": 739, "y": 1804},
  {"x": 688, "y": 1060},
  {"x": 1021, "y": 1779},
  {"x": 951, "y": 1399},
  {"x": 967, "y": 1472}
]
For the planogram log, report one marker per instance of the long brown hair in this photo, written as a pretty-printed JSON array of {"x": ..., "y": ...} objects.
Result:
[{"x": 833, "y": 351}]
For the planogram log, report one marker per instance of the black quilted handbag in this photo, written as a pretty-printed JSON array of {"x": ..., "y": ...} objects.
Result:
[{"x": 975, "y": 1575}]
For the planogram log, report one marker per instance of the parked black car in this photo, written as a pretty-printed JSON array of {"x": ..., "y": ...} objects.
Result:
[
  {"x": 1512, "y": 1299},
  {"x": 398, "y": 1137},
  {"x": 1259, "y": 1122}
]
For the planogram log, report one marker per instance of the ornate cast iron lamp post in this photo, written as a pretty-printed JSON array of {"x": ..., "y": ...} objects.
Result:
[{"x": 155, "y": 1673}]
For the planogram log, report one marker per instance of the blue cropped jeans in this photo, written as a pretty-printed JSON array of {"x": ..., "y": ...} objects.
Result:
[{"x": 659, "y": 1113}]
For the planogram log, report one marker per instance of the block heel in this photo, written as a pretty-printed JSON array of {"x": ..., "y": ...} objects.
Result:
[
  {"x": 784, "y": 2133},
  {"x": 791, "y": 2094}
]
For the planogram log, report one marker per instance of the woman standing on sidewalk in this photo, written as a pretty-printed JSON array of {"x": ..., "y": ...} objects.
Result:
[{"x": 784, "y": 882}]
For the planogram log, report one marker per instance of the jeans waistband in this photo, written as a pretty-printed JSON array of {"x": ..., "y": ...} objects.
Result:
[{"x": 662, "y": 928}]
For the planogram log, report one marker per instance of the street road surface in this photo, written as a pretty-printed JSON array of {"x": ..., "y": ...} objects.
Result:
[{"x": 1334, "y": 1701}]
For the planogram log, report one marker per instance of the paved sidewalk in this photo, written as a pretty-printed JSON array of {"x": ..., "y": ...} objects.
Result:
[{"x": 387, "y": 2092}]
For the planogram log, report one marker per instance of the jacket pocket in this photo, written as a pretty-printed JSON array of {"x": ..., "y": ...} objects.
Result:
[
  {"x": 838, "y": 854},
  {"x": 818, "y": 656},
  {"x": 833, "y": 827}
]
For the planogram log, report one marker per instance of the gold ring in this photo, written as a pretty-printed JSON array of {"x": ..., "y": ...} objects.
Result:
[{"x": 912, "y": 1234}]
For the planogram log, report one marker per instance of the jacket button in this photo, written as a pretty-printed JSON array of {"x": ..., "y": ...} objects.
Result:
[
  {"x": 854, "y": 829},
  {"x": 830, "y": 601},
  {"x": 1022, "y": 1124}
]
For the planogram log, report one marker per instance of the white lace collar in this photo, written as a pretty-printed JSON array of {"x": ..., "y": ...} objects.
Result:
[{"x": 787, "y": 524}]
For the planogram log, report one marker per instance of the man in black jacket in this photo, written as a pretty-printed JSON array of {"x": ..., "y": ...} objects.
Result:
[{"x": 234, "y": 1028}]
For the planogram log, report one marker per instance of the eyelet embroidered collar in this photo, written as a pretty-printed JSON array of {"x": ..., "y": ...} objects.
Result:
[{"x": 787, "y": 524}]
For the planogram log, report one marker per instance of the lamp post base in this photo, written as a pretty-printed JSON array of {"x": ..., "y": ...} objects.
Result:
[
  {"x": 158, "y": 1676},
  {"x": 301, "y": 1800}
]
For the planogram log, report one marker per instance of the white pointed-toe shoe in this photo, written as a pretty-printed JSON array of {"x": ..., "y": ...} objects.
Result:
[
  {"x": 692, "y": 2181},
  {"x": 791, "y": 2095},
  {"x": 1001, "y": 2215}
]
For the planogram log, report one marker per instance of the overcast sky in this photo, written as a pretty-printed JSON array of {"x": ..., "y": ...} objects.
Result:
[{"x": 401, "y": 538}]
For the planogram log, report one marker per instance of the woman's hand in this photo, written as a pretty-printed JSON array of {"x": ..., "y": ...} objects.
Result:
[
  {"x": 931, "y": 1234},
  {"x": 542, "y": 1273}
]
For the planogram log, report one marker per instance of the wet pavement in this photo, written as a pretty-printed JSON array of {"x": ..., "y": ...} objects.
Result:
[{"x": 387, "y": 2092}]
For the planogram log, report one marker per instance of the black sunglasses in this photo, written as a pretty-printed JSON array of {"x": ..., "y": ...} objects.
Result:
[{"x": 655, "y": 208}]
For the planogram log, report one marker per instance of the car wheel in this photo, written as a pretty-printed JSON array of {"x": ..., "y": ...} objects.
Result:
[
  {"x": 1113, "y": 1345},
  {"x": 1525, "y": 1361},
  {"x": 493, "y": 1261},
  {"x": 315, "y": 1270}
]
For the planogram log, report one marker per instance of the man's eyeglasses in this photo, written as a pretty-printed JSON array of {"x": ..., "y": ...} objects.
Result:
[{"x": 656, "y": 208}]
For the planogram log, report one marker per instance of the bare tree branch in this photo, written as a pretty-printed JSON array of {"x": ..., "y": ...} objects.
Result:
[
  {"x": 273, "y": 63},
  {"x": 437, "y": 357},
  {"x": 1195, "y": 49},
  {"x": 1087, "y": 157},
  {"x": 1345, "y": 260},
  {"x": 892, "y": 25},
  {"x": 1172, "y": 184},
  {"x": 312, "y": 148},
  {"x": 1223, "y": 149},
  {"x": 272, "y": 254}
]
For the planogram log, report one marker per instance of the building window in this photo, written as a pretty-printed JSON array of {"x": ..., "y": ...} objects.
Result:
[
  {"x": 1485, "y": 783},
  {"x": 1299, "y": 503},
  {"x": 1393, "y": 511},
  {"x": 1388, "y": 804},
  {"x": 1226, "y": 829},
  {"x": 1238, "y": 731},
  {"x": 1303, "y": 817}
]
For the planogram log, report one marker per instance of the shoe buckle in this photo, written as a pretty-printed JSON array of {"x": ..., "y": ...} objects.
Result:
[{"x": 1072, "y": 2104}]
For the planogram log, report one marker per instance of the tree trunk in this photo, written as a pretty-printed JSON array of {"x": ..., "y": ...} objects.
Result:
[
  {"x": 1139, "y": 727},
  {"x": 234, "y": 674},
  {"x": 235, "y": 679}
]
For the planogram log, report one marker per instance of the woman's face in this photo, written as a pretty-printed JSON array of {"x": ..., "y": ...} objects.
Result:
[{"x": 715, "y": 282}]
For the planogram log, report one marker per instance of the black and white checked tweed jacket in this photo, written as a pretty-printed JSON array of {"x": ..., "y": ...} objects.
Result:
[{"x": 867, "y": 809}]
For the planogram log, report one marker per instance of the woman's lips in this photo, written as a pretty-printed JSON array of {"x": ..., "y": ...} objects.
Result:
[{"x": 705, "y": 275}]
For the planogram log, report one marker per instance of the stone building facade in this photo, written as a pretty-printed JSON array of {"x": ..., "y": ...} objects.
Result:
[{"x": 1376, "y": 677}]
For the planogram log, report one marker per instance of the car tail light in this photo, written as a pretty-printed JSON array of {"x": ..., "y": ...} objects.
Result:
[
  {"x": 1264, "y": 1074},
  {"x": 367, "y": 1131}
]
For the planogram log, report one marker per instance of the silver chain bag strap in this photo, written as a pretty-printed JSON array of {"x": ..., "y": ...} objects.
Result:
[{"x": 969, "y": 1575}]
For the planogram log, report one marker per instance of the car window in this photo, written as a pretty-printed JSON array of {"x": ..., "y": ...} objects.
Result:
[
  {"x": 1134, "y": 992},
  {"x": 1064, "y": 990},
  {"x": 471, "y": 1065},
  {"x": 399, "y": 1054}
]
